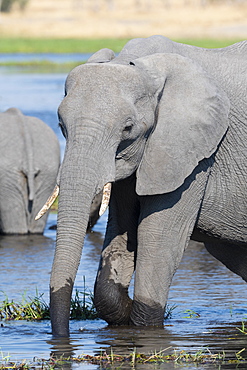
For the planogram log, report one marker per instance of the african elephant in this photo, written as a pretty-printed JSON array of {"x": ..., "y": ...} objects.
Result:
[
  {"x": 165, "y": 124},
  {"x": 28, "y": 169}
]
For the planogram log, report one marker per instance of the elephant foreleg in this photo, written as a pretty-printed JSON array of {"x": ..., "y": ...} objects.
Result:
[
  {"x": 118, "y": 256},
  {"x": 166, "y": 223}
]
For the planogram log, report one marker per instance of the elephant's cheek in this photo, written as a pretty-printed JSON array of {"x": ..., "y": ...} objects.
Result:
[{"x": 127, "y": 165}]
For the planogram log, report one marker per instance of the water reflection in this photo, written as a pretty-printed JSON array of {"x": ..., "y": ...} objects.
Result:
[
  {"x": 62, "y": 347},
  {"x": 126, "y": 340}
]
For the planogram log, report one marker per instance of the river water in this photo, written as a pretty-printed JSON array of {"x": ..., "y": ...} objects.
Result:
[{"x": 208, "y": 301}]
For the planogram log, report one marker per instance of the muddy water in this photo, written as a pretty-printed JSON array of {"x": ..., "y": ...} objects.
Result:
[{"x": 209, "y": 300}]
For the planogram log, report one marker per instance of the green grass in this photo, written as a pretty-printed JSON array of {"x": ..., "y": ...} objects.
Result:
[
  {"x": 209, "y": 43},
  {"x": 37, "y": 45},
  {"x": 27, "y": 309},
  {"x": 35, "y": 308},
  {"x": 32, "y": 45}
]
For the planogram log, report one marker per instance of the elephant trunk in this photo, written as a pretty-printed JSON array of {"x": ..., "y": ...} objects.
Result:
[
  {"x": 71, "y": 230},
  {"x": 81, "y": 178}
]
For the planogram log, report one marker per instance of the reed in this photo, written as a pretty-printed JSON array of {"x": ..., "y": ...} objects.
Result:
[
  {"x": 31, "y": 309},
  {"x": 27, "y": 309}
]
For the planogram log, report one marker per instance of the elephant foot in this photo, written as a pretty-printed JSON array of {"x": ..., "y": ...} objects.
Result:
[
  {"x": 146, "y": 315},
  {"x": 113, "y": 303}
]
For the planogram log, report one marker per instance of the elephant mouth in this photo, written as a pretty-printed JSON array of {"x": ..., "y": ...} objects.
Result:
[{"x": 104, "y": 203}]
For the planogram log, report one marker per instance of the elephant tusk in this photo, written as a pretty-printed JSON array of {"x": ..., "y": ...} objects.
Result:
[
  {"x": 48, "y": 203},
  {"x": 105, "y": 198}
]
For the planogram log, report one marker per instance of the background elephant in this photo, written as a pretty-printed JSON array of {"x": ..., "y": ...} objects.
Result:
[
  {"x": 30, "y": 158},
  {"x": 165, "y": 123}
]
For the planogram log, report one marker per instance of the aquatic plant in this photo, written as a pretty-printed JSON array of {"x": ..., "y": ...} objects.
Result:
[
  {"x": 190, "y": 314},
  {"x": 82, "y": 307},
  {"x": 243, "y": 329},
  {"x": 28, "y": 309},
  {"x": 169, "y": 311}
]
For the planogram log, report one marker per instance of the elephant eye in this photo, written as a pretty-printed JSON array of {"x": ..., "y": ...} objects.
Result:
[{"x": 128, "y": 127}]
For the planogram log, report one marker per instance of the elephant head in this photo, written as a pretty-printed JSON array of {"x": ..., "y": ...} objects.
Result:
[{"x": 156, "y": 117}]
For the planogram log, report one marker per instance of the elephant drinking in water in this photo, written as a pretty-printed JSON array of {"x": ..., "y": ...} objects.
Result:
[{"x": 166, "y": 125}]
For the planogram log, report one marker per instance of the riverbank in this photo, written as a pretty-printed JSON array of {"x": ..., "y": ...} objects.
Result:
[{"x": 41, "y": 45}]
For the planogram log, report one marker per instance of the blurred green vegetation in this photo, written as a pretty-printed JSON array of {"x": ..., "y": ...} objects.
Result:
[
  {"x": 36, "y": 45},
  {"x": 88, "y": 46},
  {"x": 40, "y": 66},
  {"x": 209, "y": 43},
  {"x": 33, "y": 45},
  {"x": 6, "y": 5}
]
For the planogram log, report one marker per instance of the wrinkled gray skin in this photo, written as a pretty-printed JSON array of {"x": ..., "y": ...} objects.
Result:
[
  {"x": 166, "y": 124},
  {"x": 30, "y": 158}
]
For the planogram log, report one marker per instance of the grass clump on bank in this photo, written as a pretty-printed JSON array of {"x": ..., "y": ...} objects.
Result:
[
  {"x": 28, "y": 309},
  {"x": 82, "y": 308}
]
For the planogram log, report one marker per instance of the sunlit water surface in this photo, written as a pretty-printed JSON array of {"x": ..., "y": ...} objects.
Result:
[{"x": 208, "y": 300}]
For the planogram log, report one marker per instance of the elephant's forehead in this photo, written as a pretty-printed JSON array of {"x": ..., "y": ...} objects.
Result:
[{"x": 105, "y": 74}]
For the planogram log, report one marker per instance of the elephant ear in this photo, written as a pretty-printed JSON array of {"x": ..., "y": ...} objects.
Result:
[
  {"x": 102, "y": 56},
  {"x": 191, "y": 119}
]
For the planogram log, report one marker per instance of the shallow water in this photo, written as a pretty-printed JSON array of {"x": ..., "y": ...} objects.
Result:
[{"x": 215, "y": 296}]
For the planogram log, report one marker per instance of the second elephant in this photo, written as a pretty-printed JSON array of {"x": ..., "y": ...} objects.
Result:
[{"x": 30, "y": 159}]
